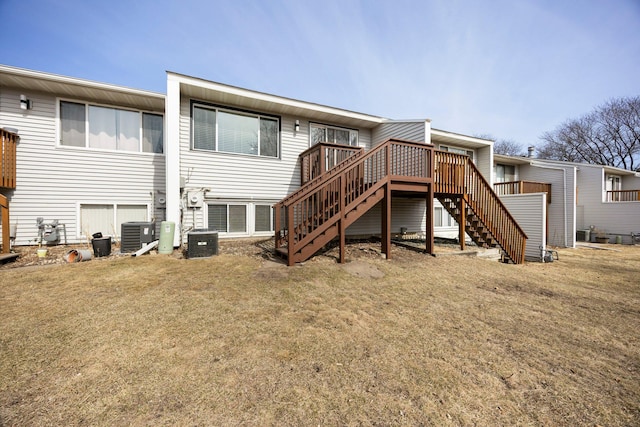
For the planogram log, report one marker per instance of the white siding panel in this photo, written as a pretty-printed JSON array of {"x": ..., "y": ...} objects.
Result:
[
  {"x": 405, "y": 213},
  {"x": 529, "y": 211},
  {"x": 412, "y": 131},
  {"x": 484, "y": 162},
  {"x": 52, "y": 181},
  {"x": 562, "y": 209}
]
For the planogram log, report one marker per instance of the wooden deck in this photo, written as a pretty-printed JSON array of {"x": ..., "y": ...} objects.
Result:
[{"x": 331, "y": 200}]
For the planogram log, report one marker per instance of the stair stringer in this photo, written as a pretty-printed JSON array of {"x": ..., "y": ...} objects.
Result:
[
  {"x": 316, "y": 240},
  {"x": 481, "y": 236}
]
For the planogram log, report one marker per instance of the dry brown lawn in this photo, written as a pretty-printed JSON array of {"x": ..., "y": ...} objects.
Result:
[{"x": 241, "y": 340}]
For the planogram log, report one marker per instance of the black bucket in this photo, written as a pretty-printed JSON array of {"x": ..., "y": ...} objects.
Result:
[{"x": 101, "y": 246}]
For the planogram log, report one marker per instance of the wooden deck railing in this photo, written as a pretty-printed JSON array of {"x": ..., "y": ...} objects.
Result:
[
  {"x": 321, "y": 157},
  {"x": 8, "y": 144},
  {"x": 623, "y": 195},
  {"x": 456, "y": 174},
  {"x": 317, "y": 207},
  {"x": 522, "y": 187}
]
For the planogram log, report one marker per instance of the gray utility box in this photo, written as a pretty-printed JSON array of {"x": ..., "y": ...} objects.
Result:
[
  {"x": 135, "y": 235},
  {"x": 202, "y": 243}
]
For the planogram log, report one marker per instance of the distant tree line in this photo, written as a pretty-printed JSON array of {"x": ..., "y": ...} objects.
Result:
[{"x": 609, "y": 135}]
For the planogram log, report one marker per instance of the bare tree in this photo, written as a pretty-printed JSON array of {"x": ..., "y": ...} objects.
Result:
[
  {"x": 609, "y": 135},
  {"x": 508, "y": 147}
]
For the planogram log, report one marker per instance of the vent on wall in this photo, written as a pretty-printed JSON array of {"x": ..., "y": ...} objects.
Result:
[{"x": 135, "y": 235}]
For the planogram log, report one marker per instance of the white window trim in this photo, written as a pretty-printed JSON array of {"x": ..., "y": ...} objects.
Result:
[
  {"x": 250, "y": 207},
  {"x": 86, "y": 128},
  {"x": 223, "y": 109},
  {"x": 325, "y": 126},
  {"x": 80, "y": 233}
]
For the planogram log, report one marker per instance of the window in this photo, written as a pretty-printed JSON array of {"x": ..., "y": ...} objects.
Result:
[
  {"x": 263, "y": 218},
  {"x": 227, "y": 218},
  {"x": 94, "y": 126},
  {"x": 107, "y": 218},
  {"x": 333, "y": 135},
  {"x": 442, "y": 218},
  {"x": 437, "y": 216},
  {"x": 505, "y": 173},
  {"x": 613, "y": 183},
  {"x": 226, "y": 131},
  {"x": 457, "y": 150},
  {"x": 244, "y": 218}
]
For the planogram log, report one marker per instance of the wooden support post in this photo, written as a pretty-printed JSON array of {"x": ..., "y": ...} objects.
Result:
[
  {"x": 386, "y": 220},
  {"x": 429, "y": 226},
  {"x": 4, "y": 208},
  {"x": 462, "y": 224},
  {"x": 290, "y": 237},
  {"x": 341, "y": 226}
]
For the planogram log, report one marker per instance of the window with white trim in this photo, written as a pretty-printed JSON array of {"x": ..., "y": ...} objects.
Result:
[
  {"x": 227, "y": 218},
  {"x": 227, "y": 131},
  {"x": 108, "y": 128},
  {"x": 242, "y": 218},
  {"x": 505, "y": 173},
  {"x": 457, "y": 150},
  {"x": 107, "y": 218},
  {"x": 263, "y": 218},
  {"x": 333, "y": 135}
]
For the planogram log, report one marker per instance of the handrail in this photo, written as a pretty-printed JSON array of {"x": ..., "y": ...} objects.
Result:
[
  {"x": 321, "y": 202},
  {"x": 457, "y": 174},
  {"x": 623, "y": 195},
  {"x": 522, "y": 187},
  {"x": 321, "y": 157},
  {"x": 8, "y": 144}
]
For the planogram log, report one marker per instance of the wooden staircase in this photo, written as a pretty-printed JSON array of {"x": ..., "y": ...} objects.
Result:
[
  {"x": 470, "y": 200},
  {"x": 327, "y": 204},
  {"x": 333, "y": 198}
]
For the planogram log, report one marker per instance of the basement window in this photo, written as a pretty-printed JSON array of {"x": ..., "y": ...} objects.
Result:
[{"x": 107, "y": 218}]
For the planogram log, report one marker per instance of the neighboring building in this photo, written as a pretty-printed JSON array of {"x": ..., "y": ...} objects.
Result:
[
  {"x": 90, "y": 155},
  {"x": 581, "y": 197}
]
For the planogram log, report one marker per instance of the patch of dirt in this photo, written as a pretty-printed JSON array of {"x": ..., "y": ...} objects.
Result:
[{"x": 363, "y": 270}]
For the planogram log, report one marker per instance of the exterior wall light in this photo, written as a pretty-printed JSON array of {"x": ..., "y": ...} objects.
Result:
[
  {"x": 297, "y": 126},
  {"x": 25, "y": 104}
]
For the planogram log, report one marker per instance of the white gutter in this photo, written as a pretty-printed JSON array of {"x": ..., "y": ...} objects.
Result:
[{"x": 564, "y": 193}]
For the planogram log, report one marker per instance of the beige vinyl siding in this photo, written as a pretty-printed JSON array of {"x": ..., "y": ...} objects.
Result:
[
  {"x": 411, "y": 131},
  {"x": 529, "y": 211},
  {"x": 562, "y": 209},
  {"x": 615, "y": 218},
  {"x": 405, "y": 212},
  {"x": 484, "y": 162},
  {"x": 52, "y": 181}
]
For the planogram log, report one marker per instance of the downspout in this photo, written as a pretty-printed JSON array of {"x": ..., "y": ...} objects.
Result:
[{"x": 564, "y": 194}]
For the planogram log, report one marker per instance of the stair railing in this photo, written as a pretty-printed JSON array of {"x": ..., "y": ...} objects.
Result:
[
  {"x": 322, "y": 157},
  {"x": 8, "y": 144},
  {"x": 457, "y": 174},
  {"x": 319, "y": 204}
]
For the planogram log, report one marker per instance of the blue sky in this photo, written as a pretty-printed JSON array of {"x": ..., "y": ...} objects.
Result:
[{"x": 510, "y": 68}]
